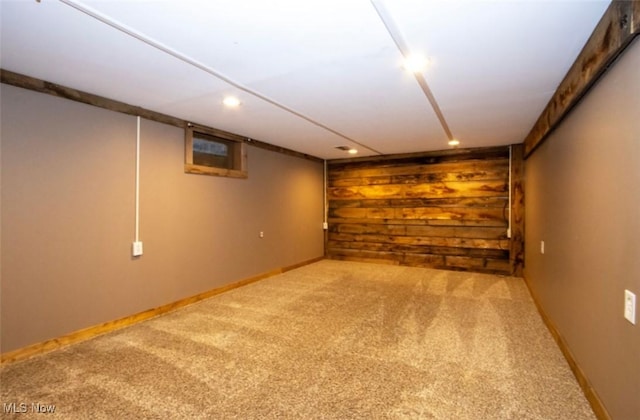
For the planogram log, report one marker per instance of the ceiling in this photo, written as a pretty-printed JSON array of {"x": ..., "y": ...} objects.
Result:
[{"x": 314, "y": 74}]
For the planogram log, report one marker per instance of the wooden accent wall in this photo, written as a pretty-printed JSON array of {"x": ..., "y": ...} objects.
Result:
[{"x": 441, "y": 209}]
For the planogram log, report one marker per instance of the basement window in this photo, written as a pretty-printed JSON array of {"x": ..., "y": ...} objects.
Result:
[{"x": 212, "y": 152}]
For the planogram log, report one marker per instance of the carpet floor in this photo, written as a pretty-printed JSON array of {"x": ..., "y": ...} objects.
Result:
[{"x": 329, "y": 340}]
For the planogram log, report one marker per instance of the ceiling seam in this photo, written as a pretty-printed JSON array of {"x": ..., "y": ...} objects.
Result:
[
  {"x": 195, "y": 63},
  {"x": 396, "y": 36}
]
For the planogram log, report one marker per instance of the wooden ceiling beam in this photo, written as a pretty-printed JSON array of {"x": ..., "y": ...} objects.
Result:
[{"x": 619, "y": 25}]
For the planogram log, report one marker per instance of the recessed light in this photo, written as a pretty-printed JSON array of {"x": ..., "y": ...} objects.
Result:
[
  {"x": 415, "y": 63},
  {"x": 231, "y": 102},
  {"x": 347, "y": 149},
  {"x": 454, "y": 142}
]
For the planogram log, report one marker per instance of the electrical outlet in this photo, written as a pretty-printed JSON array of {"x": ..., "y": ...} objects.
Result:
[
  {"x": 261, "y": 234},
  {"x": 630, "y": 306},
  {"x": 325, "y": 225},
  {"x": 137, "y": 249},
  {"x": 542, "y": 247}
]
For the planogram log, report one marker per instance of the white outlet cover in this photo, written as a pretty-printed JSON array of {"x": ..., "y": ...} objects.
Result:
[
  {"x": 542, "y": 247},
  {"x": 630, "y": 306},
  {"x": 137, "y": 249}
]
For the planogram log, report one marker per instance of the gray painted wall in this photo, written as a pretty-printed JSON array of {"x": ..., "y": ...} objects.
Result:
[
  {"x": 68, "y": 172},
  {"x": 583, "y": 200}
]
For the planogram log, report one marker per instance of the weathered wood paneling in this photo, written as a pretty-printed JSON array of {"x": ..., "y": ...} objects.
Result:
[
  {"x": 619, "y": 25},
  {"x": 447, "y": 210},
  {"x": 516, "y": 254}
]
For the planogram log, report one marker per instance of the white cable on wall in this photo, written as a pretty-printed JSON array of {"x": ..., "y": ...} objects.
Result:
[
  {"x": 324, "y": 197},
  {"x": 137, "y": 244},
  {"x": 509, "y": 211},
  {"x": 137, "y": 239}
]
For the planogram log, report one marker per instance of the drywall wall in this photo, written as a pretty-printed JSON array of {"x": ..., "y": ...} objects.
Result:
[
  {"x": 583, "y": 201},
  {"x": 68, "y": 194}
]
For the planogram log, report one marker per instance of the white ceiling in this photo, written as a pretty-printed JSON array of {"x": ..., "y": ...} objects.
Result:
[{"x": 311, "y": 74}]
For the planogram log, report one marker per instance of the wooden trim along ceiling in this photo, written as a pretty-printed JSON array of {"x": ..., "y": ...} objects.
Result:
[
  {"x": 96, "y": 330},
  {"x": 37, "y": 85},
  {"x": 618, "y": 27}
]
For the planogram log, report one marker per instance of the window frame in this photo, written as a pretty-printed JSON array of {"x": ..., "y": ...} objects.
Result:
[{"x": 237, "y": 152}]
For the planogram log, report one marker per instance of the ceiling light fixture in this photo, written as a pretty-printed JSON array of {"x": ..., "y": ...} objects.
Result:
[
  {"x": 454, "y": 142},
  {"x": 404, "y": 49},
  {"x": 415, "y": 63},
  {"x": 231, "y": 102},
  {"x": 350, "y": 150},
  {"x": 89, "y": 11}
]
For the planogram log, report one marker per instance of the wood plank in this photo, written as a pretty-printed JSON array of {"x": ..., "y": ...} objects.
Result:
[
  {"x": 469, "y": 243},
  {"x": 615, "y": 31},
  {"x": 477, "y": 231},
  {"x": 418, "y": 222},
  {"x": 378, "y": 229},
  {"x": 423, "y": 178},
  {"x": 349, "y": 182},
  {"x": 443, "y": 241},
  {"x": 516, "y": 252},
  {"x": 424, "y": 260},
  {"x": 427, "y": 157},
  {"x": 444, "y": 189},
  {"x": 395, "y": 258},
  {"x": 366, "y": 213},
  {"x": 458, "y": 189},
  {"x": 363, "y": 259},
  {"x": 478, "y": 264},
  {"x": 450, "y": 213},
  {"x": 500, "y": 266},
  {"x": 421, "y": 249},
  {"x": 458, "y": 232},
  {"x": 411, "y": 168},
  {"x": 375, "y": 191},
  {"x": 421, "y": 213},
  {"x": 478, "y": 175},
  {"x": 365, "y": 256},
  {"x": 479, "y": 202}
]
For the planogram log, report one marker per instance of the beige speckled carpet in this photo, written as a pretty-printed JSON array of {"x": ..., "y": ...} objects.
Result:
[{"x": 330, "y": 340}]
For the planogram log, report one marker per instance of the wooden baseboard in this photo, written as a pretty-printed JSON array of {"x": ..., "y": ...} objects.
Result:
[
  {"x": 90, "y": 332},
  {"x": 594, "y": 400}
]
